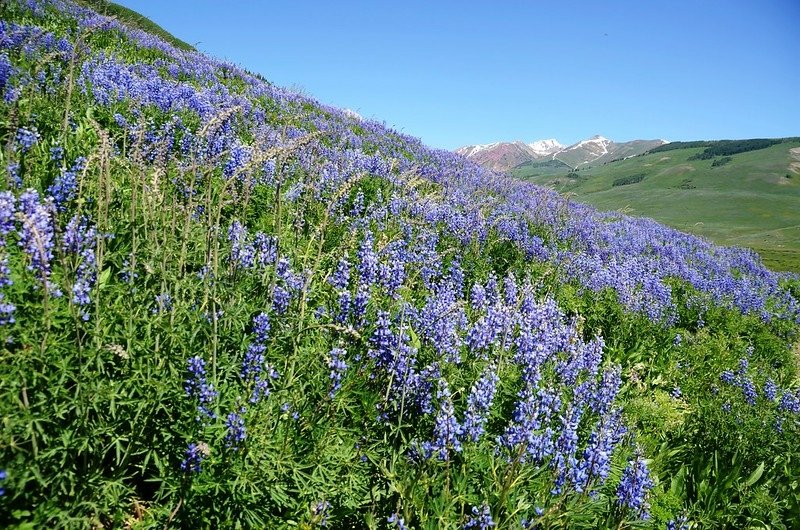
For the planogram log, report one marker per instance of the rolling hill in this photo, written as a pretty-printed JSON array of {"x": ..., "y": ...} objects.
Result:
[
  {"x": 749, "y": 198},
  {"x": 226, "y": 305}
]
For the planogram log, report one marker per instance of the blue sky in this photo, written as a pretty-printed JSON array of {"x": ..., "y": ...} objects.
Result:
[{"x": 460, "y": 72}]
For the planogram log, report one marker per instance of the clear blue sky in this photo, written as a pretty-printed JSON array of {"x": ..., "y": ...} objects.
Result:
[{"x": 462, "y": 72}]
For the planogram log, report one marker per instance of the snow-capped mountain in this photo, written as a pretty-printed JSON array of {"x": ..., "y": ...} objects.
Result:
[
  {"x": 545, "y": 147},
  {"x": 499, "y": 156},
  {"x": 502, "y": 156}
]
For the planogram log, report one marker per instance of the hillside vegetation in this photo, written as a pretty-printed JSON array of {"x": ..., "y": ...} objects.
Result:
[
  {"x": 742, "y": 193},
  {"x": 225, "y": 305}
]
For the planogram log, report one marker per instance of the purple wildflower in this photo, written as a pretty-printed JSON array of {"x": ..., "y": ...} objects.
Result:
[
  {"x": 368, "y": 260},
  {"x": 770, "y": 389},
  {"x": 163, "y": 302},
  {"x": 195, "y": 454},
  {"x": 319, "y": 511},
  {"x": 337, "y": 366},
  {"x": 37, "y": 235},
  {"x": 236, "y": 431},
  {"x": 280, "y": 300},
  {"x": 242, "y": 252},
  {"x": 65, "y": 185},
  {"x": 197, "y": 387},
  {"x": 341, "y": 277},
  {"x": 254, "y": 370},
  {"x": 634, "y": 487},
  {"x": 26, "y": 138},
  {"x": 478, "y": 403},
  {"x": 446, "y": 430},
  {"x": 481, "y": 519},
  {"x": 395, "y": 521}
]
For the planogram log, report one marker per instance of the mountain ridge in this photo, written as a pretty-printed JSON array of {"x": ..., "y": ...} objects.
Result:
[{"x": 504, "y": 156}]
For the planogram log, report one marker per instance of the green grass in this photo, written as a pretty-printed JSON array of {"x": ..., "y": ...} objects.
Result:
[
  {"x": 133, "y": 19},
  {"x": 749, "y": 201}
]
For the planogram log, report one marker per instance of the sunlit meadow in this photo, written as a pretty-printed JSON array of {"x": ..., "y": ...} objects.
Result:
[{"x": 225, "y": 305}]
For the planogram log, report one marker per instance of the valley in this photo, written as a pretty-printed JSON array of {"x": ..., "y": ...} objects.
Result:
[{"x": 751, "y": 200}]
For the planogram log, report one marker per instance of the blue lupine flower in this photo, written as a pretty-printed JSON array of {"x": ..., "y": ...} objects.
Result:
[
  {"x": 477, "y": 297},
  {"x": 479, "y": 401},
  {"x": 564, "y": 461},
  {"x": 510, "y": 289},
  {"x": 199, "y": 388},
  {"x": 337, "y": 366},
  {"x": 345, "y": 304},
  {"x": 236, "y": 431},
  {"x": 65, "y": 185},
  {"x": 446, "y": 430},
  {"x": 261, "y": 327},
  {"x": 280, "y": 300},
  {"x": 8, "y": 210},
  {"x": 266, "y": 249},
  {"x": 254, "y": 371},
  {"x": 37, "y": 234},
  {"x": 595, "y": 463},
  {"x": 749, "y": 390},
  {"x": 634, "y": 487},
  {"x": 320, "y": 512},
  {"x": 360, "y": 305},
  {"x": 679, "y": 524},
  {"x": 26, "y": 138},
  {"x": 481, "y": 519},
  {"x": 790, "y": 402},
  {"x": 7, "y": 213},
  {"x": 13, "y": 174},
  {"x": 243, "y": 254},
  {"x": 163, "y": 302},
  {"x": 195, "y": 454},
  {"x": 6, "y": 311},
  {"x": 529, "y": 433},
  {"x": 80, "y": 239},
  {"x": 6, "y": 71},
  {"x": 56, "y": 153},
  {"x": 340, "y": 279},
  {"x": 396, "y": 521},
  {"x": 368, "y": 260},
  {"x": 770, "y": 389}
]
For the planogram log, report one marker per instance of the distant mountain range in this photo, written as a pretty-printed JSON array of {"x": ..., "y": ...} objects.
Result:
[{"x": 504, "y": 156}]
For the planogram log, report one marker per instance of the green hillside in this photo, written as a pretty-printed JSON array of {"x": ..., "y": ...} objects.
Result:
[
  {"x": 749, "y": 199},
  {"x": 224, "y": 305},
  {"x": 133, "y": 19}
]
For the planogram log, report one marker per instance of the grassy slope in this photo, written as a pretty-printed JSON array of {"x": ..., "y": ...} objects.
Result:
[
  {"x": 290, "y": 462},
  {"x": 135, "y": 20},
  {"x": 747, "y": 202}
]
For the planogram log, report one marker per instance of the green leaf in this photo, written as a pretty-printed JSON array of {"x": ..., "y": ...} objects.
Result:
[
  {"x": 755, "y": 475},
  {"x": 102, "y": 279}
]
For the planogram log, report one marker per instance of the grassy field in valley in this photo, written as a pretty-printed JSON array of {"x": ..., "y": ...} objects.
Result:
[{"x": 752, "y": 200}]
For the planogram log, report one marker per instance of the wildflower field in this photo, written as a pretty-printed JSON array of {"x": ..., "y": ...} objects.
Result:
[{"x": 225, "y": 305}]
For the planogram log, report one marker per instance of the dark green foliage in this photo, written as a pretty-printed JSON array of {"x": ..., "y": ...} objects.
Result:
[
  {"x": 631, "y": 179},
  {"x": 672, "y": 146},
  {"x": 732, "y": 147},
  {"x": 721, "y": 161}
]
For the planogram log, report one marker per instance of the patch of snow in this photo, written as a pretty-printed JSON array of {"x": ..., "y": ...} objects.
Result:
[
  {"x": 475, "y": 149},
  {"x": 545, "y": 147}
]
